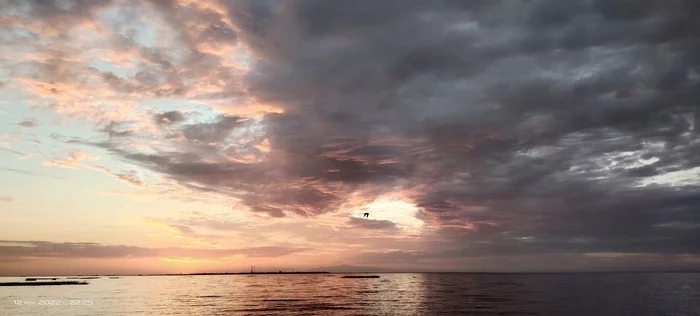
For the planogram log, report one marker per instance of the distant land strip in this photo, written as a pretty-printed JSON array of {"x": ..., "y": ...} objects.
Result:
[{"x": 43, "y": 283}]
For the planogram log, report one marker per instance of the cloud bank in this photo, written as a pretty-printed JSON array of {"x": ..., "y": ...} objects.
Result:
[{"x": 517, "y": 127}]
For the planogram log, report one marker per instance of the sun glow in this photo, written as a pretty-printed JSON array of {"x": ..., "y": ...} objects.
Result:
[{"x": 391, "y": 209}]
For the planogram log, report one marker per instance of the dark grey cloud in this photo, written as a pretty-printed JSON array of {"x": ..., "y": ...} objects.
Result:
[
  {"x": 371, "y": 223},
  {"x": 115, "y": 129},
  {"x": 536, "y": 115},
  {"x": 212, "y": 132},
  {"x": 520, "y": 127},
  {"x": 46, "y": 249},
  {"x": 168, "y": 118},
  {"x": 523, "y": 123}
]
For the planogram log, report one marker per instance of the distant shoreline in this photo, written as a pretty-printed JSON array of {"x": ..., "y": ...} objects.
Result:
[
  {"x": 238, "y": 273},
  {"x": 341, "y": 272},
  {"x": 42, "y": 283}
]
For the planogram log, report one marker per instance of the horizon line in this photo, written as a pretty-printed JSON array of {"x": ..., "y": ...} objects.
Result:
[{"x": 363, "y": 272}]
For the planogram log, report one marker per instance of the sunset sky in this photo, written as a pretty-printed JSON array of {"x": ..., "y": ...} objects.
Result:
[{"x": 197, "y": 136}]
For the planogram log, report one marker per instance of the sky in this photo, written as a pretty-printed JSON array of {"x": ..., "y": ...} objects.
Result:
[{"x": 176, "y": 136}]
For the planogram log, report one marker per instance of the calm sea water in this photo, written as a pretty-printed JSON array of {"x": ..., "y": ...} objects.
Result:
[{"x": 393, "y": 294}]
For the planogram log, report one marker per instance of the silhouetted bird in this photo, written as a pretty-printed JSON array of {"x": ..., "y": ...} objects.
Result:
[{"x": 366, "y": 215}]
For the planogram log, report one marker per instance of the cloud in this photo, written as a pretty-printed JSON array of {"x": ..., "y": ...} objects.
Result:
[
  {"x": 111, "y": 130},
  {"x": 371, "y": 223},
  {"x": 29, "y": 123},
  {"x": 194, "y": 56},
  {"x": 30, "y": 173},
  {"x": 45, "y": 249},
  {"x": 22, "y": 155},
  {"x": 6, "y": 199},
  {"x": 131, "y": 177},
  {"x": 185, "y": 229},
  {"x": 5, "y": 146},
  {"x": 168, "y": 118},
  {"x": 208, "y": 133},
  {"x": 72, "y": 161},
  {"x": 516, "y": 127}
]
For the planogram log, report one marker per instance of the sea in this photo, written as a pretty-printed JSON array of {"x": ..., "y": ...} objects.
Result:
[{"x": 594, "y": 294}]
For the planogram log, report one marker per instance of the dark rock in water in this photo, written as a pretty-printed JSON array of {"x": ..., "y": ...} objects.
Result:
[
  {"x": 360, "y": 276},
  {"x": 42, "y": 283}
]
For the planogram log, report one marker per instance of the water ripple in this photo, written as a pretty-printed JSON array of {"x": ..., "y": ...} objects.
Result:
[{"x": 392, "y": 294}]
